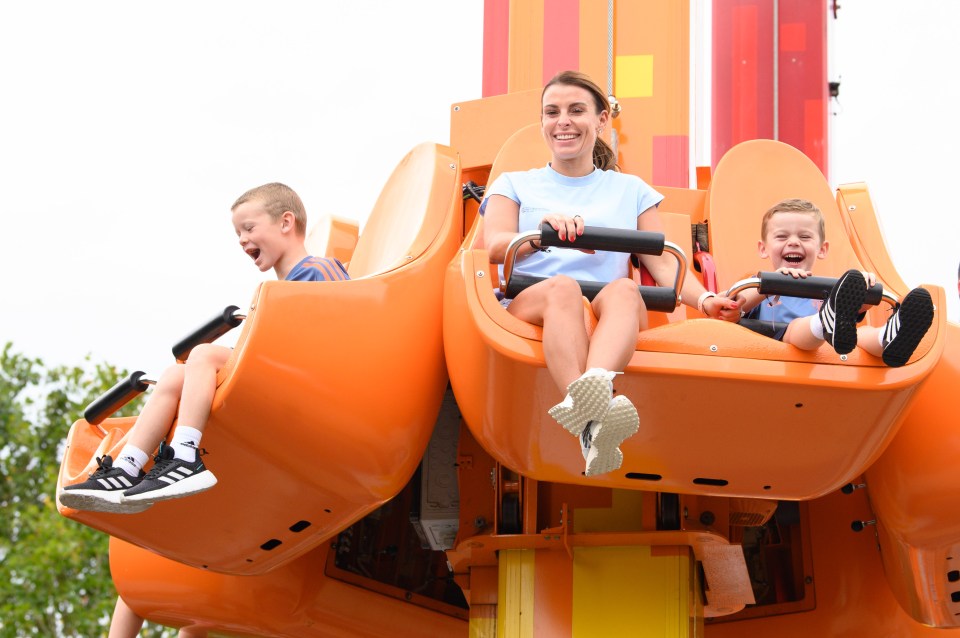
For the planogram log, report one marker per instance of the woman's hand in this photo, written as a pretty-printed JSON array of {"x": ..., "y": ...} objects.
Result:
[
  {"x": 723, "y": 308},
  {"x": 568, "y": 228}
]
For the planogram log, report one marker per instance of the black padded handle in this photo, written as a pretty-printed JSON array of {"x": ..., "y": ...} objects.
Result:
[
  {"x": 655, "y": 298},
  {"x": 115, "y": 398},
  {"x": 207, "y": 333},
  {"x": 612, "y": 239},
  {"x": 777, "y": 283}
]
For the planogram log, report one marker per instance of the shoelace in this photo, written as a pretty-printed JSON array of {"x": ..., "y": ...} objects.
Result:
[
  {"x": 104, "y": 465},
  {"x": 586, "y": 438},
  {"x": 159, "y": 465}
]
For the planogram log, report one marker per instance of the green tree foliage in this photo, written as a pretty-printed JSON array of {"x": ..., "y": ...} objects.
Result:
[{"x": 54, "y": 573}]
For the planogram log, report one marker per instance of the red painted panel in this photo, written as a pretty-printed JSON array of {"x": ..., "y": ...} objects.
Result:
[
  {"x": 561, "y": 37},
  {"x": 793, "y": 36},
  {"x": 742, "y": 73},
  {"x": 803, "y": 80},
  {"x": 496, "y": 31},
  {"x": 671, "y": 165}
]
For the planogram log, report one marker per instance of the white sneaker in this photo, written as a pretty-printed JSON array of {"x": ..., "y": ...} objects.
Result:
[
  {"x": 602, "y": 452},
  {"x": 588, "y": 399}
]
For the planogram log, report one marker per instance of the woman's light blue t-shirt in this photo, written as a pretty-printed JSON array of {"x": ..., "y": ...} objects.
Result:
[{"x": 603, "y": 198}]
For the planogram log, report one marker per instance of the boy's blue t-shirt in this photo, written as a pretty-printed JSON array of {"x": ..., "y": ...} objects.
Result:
[
  {"x": 607, "y": 199},
  {"x": 318, "y": 269},
  {"x": 784, "y": 309}
]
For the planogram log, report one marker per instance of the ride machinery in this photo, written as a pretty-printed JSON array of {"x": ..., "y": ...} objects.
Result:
[{"x": 386, "y": 463}]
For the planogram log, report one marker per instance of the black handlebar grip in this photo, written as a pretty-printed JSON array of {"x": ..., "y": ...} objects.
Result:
[
  {"x": 115, "y": 398},
  {"x": 659, "y": 299},
  {"x": 207, "y": 333},
  {"x": 777, "y": 283},
  {"x": 612, "y": 239}
]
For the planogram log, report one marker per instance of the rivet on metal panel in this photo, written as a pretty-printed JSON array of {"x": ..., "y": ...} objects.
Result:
[
  {"x": 408, "y": 257},
  {"x": 852, "y": 207},
  {"x": 843, "y": 357},
  {"x": 480, "y": 274},
  {"x": 453, "y": 166},
  {"x": 456, "y": 108},
  {"x": 714, "y": 348}
]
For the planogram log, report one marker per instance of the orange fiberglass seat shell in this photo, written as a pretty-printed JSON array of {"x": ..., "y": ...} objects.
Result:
[
  {"x": 327, "y": 404},
  {"x": 723, "y": 411},
  {"x": 298, "y": 599}
]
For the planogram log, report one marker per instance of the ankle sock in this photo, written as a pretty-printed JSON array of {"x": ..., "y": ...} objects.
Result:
[
  {"x": 816, "y": 326},
  {"x": 131, "y": 460},
  {"x": 185, "y": 442}
]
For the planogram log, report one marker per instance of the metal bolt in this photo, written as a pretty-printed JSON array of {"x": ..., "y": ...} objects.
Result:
[
  {"x": 456, "y": 108},
  {"x": 714, "y": 348},
  {"x": 852, "y": 207},
  {"x": 480, "y": 274},
  {"x": 843, "y": 357},
  {"x": 453, "y": 166}
]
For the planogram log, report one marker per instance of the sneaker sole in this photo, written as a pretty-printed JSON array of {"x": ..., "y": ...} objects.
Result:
[
  {"x": 850, "y": 295},
  {"x": 591, "y": 400},
  {"x": 916, "y": 317},
  {"x": 621, "y": 422},
  {"x": 186, "y": 487},
  {"x": 94, "y": 501}
]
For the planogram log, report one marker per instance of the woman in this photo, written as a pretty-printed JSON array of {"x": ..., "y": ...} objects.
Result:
[{"x": 579, "y": 187}]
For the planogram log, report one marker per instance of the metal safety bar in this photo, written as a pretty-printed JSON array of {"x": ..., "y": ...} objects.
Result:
[
  {"x": 777, "y": 283},
  {"x": 209, "y": 332},
  {"x": 596, "y": 238},
  {"x": 122, "y": 393}
]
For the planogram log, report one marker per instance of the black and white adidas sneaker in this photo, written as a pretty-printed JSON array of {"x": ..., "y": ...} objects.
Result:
[
  {"x": 838, "y": 314},
  {"x": 103, "y": 491},
  {"x": 906, "y": 327},
  {"x": 170, "y": 478}
]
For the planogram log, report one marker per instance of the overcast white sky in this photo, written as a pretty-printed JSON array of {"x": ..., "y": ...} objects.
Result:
[{"x": 127, "y": 130}]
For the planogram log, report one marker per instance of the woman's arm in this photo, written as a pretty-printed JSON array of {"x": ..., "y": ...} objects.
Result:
[
  {"x": 663, "y": 269},
  {"x": 501, "y": 221}
]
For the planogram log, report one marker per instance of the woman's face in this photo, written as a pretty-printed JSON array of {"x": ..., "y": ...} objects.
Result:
[{"x": 570, "y": 122}]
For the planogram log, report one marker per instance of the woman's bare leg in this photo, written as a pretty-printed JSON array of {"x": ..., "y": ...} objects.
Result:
[{"x": 557, "y": 305}]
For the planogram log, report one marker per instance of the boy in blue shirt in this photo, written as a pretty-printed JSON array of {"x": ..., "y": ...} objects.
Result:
[
  {"x": 270, "y": 222},
  {"x": 793, "y": 238}
]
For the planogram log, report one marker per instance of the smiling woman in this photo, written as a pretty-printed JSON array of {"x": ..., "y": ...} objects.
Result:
[{"x": 579, "y": 188}]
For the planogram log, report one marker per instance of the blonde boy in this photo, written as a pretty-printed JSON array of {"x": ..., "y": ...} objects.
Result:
[
  {"x": 270, "y": 222},
  {"x": 792, "y": 237}
]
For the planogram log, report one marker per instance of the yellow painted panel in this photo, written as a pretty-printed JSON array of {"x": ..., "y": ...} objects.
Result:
[
  {"x": 633, "y": 76},
  {"x": 515, "y": 608},
  {"x": 626, "y": 591},
  {"x": 624, "y": 515}
]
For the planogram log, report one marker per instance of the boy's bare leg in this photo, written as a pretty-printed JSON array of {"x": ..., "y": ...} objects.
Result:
[
  {"x": 868, "y": 338},
  {"x": 200, "y": 384},
  {"x": 124, "y": 623},
  {"x": 800, "y": 335},
  {"x": 157, "y": 415}
]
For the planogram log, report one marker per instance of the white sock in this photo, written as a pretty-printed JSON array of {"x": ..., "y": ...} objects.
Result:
[
  {"x": 185, "y": 442},
  {"x": 880, "y": 337},
  {"x": 131, "y": 460},
  {"x": 816, "y": 327}
]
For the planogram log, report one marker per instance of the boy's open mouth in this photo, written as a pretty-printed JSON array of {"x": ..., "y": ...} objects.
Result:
[
  {"x": 793, "y": 258},
  {"x": 254, "y": 253}
]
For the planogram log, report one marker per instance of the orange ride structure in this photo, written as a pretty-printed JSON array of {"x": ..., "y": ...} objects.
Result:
[{"x": 769, "y": 491}]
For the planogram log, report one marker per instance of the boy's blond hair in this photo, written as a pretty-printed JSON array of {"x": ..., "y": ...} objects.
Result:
[
  {"x": 794, "y": 206},
  {"x": 277, "y": 198}
]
